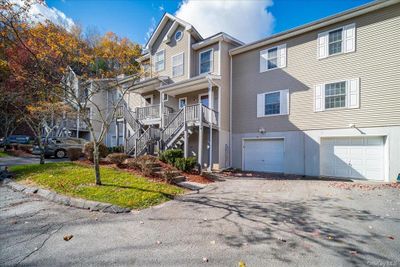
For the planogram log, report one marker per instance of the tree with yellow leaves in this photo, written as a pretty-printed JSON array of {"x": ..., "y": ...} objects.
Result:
[{"x": 39, "y": 56}]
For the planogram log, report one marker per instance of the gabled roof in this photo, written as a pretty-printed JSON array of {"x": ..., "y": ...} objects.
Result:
[
  {"x": 176, "y": 22},
  {"x": 315, "y": 25},
  {"x": 221, "y": 36}
]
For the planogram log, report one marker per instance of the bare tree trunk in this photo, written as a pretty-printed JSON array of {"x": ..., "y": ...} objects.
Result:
[
  {"x": 41, "y": 156},
  {"x": 41, "y": 148},
  {"x": 96, "y": 163}
]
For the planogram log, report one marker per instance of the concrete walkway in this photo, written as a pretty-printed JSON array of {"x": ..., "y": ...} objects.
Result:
[{"x": 263, "y": 223}]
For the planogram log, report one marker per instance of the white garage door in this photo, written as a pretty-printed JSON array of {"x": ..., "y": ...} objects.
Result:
[
  {"x": 353, "y": 157},
  {"x": 263, "y": 155}
]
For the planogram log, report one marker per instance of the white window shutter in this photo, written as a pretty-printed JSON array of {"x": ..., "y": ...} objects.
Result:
[
  {"x": 323, "y": 45},
  {"x": 284, "y": 102},
  {"x": 353, "y": 93},
  {"x": 263, "y": 60},
  {"x": 282, "y": 56},
  {"x": 260, "y": 105},
  {"x": 319, "y": 98},
  {"x": 349, "y": 37}
]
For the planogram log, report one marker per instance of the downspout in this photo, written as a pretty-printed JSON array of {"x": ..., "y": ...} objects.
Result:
[
  {"x": 211, "y": 105},
  {"x": 230, "y": 111}
]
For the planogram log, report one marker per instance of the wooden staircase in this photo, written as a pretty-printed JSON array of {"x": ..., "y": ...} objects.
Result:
[{"x": 144, "y": 141}]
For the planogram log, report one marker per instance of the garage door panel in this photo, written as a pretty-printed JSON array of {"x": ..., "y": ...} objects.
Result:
[
  {"x": 264, "y": 155},
  {"x": 353, "y": 157}
]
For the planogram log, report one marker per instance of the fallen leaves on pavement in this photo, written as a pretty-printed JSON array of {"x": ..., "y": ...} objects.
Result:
[
  {"x": 364, "y": 186},
  {"x": 68, "y": 237}
]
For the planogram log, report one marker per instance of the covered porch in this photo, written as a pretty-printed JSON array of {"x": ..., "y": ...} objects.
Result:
[{"x": 194, "y": 125}]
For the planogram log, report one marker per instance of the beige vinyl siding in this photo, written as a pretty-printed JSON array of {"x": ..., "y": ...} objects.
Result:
[
  {"x": 171, "y": 49},
  {"x": 376, "y": 62}
]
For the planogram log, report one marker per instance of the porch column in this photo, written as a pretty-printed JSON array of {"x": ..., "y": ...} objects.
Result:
[
  {"x": 186, "y": 136},
  {"x": 116, "y": 132},
  {"x": 200, "y": 148},
  {"x": 211, "y": 106},
  {"x": 162, "y": 110}
]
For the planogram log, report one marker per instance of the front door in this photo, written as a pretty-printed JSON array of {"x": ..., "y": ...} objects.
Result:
[
  {"x": 204, "y": 100},
  {"x": 120, "y": 133}
]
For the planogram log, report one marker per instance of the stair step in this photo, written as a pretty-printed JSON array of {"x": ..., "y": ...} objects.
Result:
[
  {"x": 156, "y": 169},
  {"x": 153, "y": 165},
  {"x": 179, "y": 179}
]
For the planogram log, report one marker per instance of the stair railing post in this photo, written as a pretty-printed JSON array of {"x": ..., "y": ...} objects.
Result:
[{"x": 135, "y": 147}]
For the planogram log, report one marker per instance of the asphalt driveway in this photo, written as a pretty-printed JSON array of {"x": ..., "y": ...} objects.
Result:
[{"x": 262, "y": 222}]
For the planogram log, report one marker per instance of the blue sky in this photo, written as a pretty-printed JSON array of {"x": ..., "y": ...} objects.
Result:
[{"x": 134, "y": 18}]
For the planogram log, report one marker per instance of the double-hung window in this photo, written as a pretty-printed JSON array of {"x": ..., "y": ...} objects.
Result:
[
  {"x": 273, "y": 103},
  {"x": 177, "y": 65},
  {"x": 273, "y": 58},
  {"x": 335, "y": 95},
  {"x": 160, "y": 60},
  {"x": 335, "y": 41},
  {"x": 206, "y": 61},
  {"x": 338, "y": 94}
]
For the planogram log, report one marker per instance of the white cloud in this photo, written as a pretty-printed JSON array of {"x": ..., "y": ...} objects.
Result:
[
  {"x": 247, "y": 20},
  {"x": 40, "y": 12},
  {"x": 161, "y": 8},
  {"x": 151, "y": 29}
]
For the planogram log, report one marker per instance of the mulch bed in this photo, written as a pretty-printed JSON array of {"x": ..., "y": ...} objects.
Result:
[
  {"x": 191, "y": 177},
  {"x": 364, "y": 186},
  {"x": 197, "y": 178},
  {"x": 18, "y": 153}
]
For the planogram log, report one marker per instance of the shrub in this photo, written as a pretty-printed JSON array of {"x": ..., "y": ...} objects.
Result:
[
  {"x": 117, "y": 158},
  {"x": 185, "y": 165},
  {"x": 116, "y": 149},
  {"x": 143, "y": 163},
  {"x": 74, "y": 153},
  {"x": 169, "y": 156},
  {"x": 88, "y": 151},
  {"x": 146, "y": 164},
  {"x": 169, "y": 176}
]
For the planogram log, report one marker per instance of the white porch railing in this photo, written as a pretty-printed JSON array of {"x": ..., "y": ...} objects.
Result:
[
  {"x": 149, "y": 112},
  {"x": 193, "y": 113}
]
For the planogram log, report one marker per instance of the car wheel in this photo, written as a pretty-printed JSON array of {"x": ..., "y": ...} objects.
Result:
[{"x": 60, "y": 154}]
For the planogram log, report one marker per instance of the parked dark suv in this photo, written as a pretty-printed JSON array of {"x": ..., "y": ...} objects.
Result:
[{"x": 57, "y": 146}]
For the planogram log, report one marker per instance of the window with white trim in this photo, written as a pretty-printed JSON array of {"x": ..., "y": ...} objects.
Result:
[
  {"x": 177, "y": 65},
  {"x": 205, "y": 61},
  {"x": 178, "y": 35},
  {"x": 273, "y": 103},
  {"x": 273, "y": 58},
  {"x": 165, "y": 97},
  {"x": 160, "y": 60},
  {"x": 335, "y": 95},
  {"x": 337, "y": 41},
  {"x": 338, "y": 94},
  {"x": 182, "y": 102}
]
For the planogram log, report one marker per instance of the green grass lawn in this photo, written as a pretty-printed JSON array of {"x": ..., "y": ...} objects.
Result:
[
  {"x": 120, "y": 188},
  {"x": 3, "y": 154}
]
